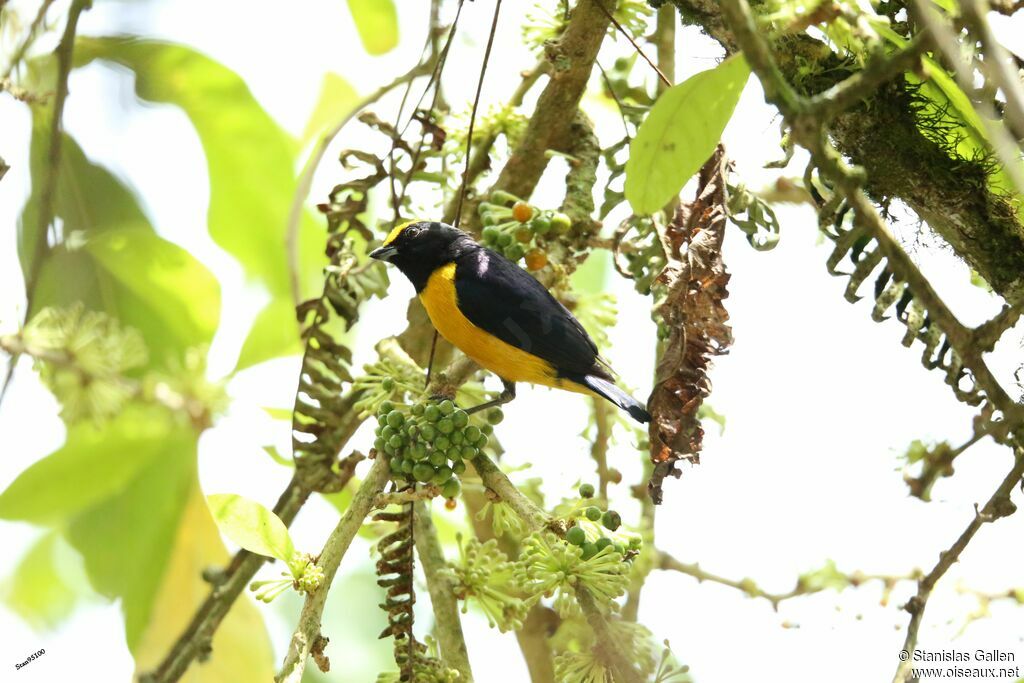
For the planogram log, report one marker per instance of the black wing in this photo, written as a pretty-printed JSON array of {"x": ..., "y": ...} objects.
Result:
[{"x": 506, "y": 301}]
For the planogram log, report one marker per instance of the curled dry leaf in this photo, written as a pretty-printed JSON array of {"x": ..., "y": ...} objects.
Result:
[{"x": 692, "y": 288}]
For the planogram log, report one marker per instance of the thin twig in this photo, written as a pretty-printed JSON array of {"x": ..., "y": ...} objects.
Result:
[
  {"x": 618, "y": 27},
  {"x": 998, "y": 506},
  {"x": 472, "y": 118},
  {"x": 30, "y": 37},
  {"x": 47, "y": 195},
  {"x": 307, "y": 633}
]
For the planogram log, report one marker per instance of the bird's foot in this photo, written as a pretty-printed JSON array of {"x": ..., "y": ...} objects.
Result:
[{"x": 507, "y": 394}]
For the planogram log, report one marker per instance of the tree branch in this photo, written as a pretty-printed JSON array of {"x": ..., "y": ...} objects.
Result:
[
  {"x": 307, "y": 634},
  {"x": 998, "y": 506},
  {"x": 195, "y": 641},
  {"x": 447, "y": 623},
  {"x": 572, "y": 58}
]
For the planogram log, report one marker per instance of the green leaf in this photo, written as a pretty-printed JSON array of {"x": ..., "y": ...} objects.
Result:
[
  {"x": 144, "y": 281},
  {"x": 272, "y": 335},
  {"x": 251, "y": 162},
  {"x": 377, "y": 24},
  {"x": 680, "y": 133},
  {"x": 251, "y": 159},
  {"x": 277, "y": 457},
  {"x": 95, "y": 463},
  {"x": 47, "y": 583},
  {"x": 241, "y": 645},
  {"x": 111, "y": 260},
  {"x": 126, "y": 540},
  {"x": 251, "y": 526},
  {"x": 337, "y": 97}
]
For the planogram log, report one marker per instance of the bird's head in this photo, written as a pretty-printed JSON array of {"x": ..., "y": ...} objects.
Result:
[{"x": 418, "y": 248}]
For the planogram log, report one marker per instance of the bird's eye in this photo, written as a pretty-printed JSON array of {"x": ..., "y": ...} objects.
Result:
[{"x": 413, "y": 232}]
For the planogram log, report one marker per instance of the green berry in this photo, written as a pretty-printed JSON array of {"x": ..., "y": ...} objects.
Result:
[
  {"x": 481, "y": 442},
  {"x": 428, "y": 433},
  {"x": 576, "y": 536},
  {"x": 454, "y": 453},
  {"x": 451, "y": 488},
  {"x": 385, "y": 408},
  {"x": 417, "y": 451},
  {"x": 388, "y": 431},
  {"x": 396, "y": 419},
  {"x": 389, "y": 449},
  {"x": 589, "y": 550},
  {"x": 396, "y": 465},
  {"x": 417, "y": 409},
  {"x": 396, "y": 441},
  {"x": 468, "y": 452},
  {"x": 413, "y": 430},
  {"x": 603, "y": 543},
  {"x": 611, "y": 520},
  {"x": 503, "y": 197},
  {"x": 541, "y": 225},
  {"x": 495, "y": 416},
  {"x": 423, "y": 472},
  {"x": 408, "y": 466},
  {"x": 378, "y": 443},
  {"x": 442, "y": 443},
  {"x": 620, "y": 548},
  {"x": 457, "y": 438},
  {"x": 432, "y": 413},
  {"x": 442, "y": 474},
  {"x": 471, "y": 434},
  {"x": 458, "y": 467},
  {"x": 490, "y": 233},
  {"x": 593, "y": 513},
  {"x": 503, "y": 239},
  {"x": 388, "y": 384},
  {"x": 438, "y": 458},
  {"x": 487, "y": 429},
  {"x": 460, "y": 419},
  {"x": 445, "y": 425},
  {"x": 561, "y": 223},
  {"x": 515, "y": 252},
  {"x": 586, "y": 491},
  {"x": 447, "y": 407}
]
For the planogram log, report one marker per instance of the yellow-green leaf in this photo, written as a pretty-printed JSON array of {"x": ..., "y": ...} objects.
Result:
[
  {"x": 126, "y": 539},
  {"x": 337, "y": 97},
  {"x": 251, "y": 526},
  {"x": 47, "y": 583},
  {"x": 241, "y": 646},
  {"x": 377, "y": 24},
  {"x": 95, "y": 463},
  {"x": 680, "y": 133}
]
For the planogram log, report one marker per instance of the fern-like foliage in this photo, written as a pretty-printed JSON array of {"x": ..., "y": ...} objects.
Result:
[
  {"x": 395, "y": 575},
  {"x": 858, "y": 247}
]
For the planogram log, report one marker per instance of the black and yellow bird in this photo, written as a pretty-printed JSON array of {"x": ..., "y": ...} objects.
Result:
[{"x": 499, "y": 315}]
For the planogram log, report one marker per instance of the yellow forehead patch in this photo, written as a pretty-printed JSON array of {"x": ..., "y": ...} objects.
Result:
[{"x": 393, "y": 235}]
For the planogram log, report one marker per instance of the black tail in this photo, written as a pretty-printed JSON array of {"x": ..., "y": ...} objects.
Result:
[{"x": 606, "y": 388}]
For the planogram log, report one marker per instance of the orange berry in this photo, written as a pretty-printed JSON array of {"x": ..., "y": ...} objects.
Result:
[
  {"x": 536, "y": 259},
  {"x": 522, "y": 211},
  {"x": 524, "y": 235},
  {"x": 450, "y": 504}
]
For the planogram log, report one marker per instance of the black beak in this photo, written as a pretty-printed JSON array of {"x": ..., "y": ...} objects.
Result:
[{"x": 383, "y": 253}]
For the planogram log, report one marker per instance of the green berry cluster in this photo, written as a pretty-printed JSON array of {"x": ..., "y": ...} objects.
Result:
[
  {"x": 512, "y": 227},
  {"x": 430, "y": 441},
  {"x": 589, "y": 532}
]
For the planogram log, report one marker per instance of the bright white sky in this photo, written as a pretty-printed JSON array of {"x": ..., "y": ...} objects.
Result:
[{"x": 820, "y": 401}]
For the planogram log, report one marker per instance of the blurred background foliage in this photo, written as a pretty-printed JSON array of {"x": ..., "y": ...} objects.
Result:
[{"x": 122, "y": 493}]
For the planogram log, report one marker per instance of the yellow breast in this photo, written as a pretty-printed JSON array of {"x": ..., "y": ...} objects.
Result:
[{"x": 506, "y": 361}]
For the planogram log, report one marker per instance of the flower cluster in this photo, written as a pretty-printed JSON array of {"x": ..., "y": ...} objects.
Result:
[{"x": 486, "y": 577}]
